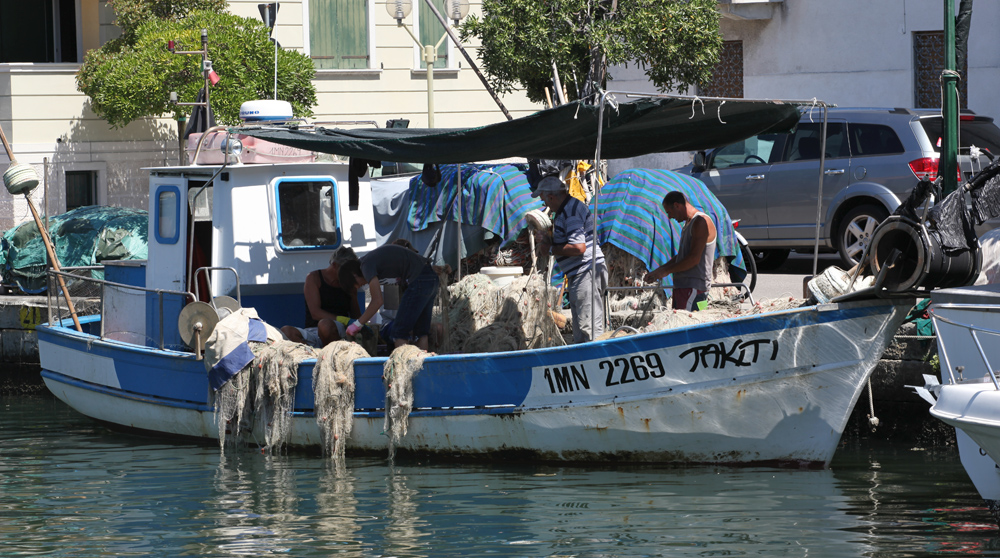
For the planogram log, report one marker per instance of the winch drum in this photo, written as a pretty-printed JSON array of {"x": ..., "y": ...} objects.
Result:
[{"x": 922, "y": 263}]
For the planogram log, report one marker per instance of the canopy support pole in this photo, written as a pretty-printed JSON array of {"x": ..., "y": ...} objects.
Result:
[
  {"x": 458, "y": 180},
  {"x": 819, "y": 193}
]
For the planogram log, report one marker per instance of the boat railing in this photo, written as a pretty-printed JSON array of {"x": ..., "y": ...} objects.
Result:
[
  {"x": 973, "y": 330},
  {"x": 82, "y": 284},
  {"x": 208, "y": 280}
]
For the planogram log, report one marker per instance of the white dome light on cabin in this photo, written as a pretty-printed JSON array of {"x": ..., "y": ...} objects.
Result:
[{"x": 265, "y": 110}]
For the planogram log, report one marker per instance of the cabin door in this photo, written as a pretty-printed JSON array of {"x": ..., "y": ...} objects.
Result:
[{"x": 168, "y": 223}]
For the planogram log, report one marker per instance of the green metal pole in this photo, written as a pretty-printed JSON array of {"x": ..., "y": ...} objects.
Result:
[{"x": 948, "y": 167}]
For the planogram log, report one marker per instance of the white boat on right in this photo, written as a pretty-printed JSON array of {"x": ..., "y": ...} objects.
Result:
[{"x": 967, "y": 323}]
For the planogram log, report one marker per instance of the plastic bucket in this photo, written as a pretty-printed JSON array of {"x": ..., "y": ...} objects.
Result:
[{"x": 502, "y": 276}]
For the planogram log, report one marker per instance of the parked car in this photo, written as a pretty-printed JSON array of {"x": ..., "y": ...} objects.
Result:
[{"x": 874, "y": 157}]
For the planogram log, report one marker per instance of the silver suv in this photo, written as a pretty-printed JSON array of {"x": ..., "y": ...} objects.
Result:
[{"x": 873, "y": 159}]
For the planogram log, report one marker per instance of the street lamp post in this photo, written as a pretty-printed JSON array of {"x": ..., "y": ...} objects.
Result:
[{"x": 399, "y": 9}]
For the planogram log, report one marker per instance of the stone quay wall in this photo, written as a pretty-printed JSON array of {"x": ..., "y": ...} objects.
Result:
[{"x": 19, "y": 367}]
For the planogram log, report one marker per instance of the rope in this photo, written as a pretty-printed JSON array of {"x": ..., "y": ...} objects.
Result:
[
  {"x": 872, "y": 419},
  {"x": 693, "y": 101}
]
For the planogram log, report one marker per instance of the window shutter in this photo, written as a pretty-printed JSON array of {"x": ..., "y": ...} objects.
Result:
[
  {"x": 431, "y": 32},
  {"x": 338, "y": 33}
]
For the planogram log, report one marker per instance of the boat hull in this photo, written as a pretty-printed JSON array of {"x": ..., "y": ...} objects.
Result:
[
  {"x": 967, "y": 398},
  {"x": 770, "y": 388}
]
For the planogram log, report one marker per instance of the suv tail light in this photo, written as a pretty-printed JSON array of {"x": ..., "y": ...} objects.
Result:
[{"x": 928, "y": 166}]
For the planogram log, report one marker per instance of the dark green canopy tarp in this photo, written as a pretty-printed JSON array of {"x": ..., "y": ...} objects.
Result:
[{"x": 565, "y": 132}]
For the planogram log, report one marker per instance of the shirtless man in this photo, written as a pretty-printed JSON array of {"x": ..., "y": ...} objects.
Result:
[{"x": 692, "y": 266}]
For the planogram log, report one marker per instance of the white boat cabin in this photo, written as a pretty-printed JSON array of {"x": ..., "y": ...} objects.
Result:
[{"x": 270, "y": 223}]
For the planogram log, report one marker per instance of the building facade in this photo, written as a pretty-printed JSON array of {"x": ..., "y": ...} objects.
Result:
[
  {"x": 851, "y": 53},
  {"x": 368, "y": 69},
  {"x": 848, "y": 52}
]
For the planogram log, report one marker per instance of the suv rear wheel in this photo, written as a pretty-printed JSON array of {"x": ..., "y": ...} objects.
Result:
[{"x": 856, "y": 230}]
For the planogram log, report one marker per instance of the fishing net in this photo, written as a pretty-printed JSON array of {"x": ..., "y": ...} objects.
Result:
[
  {"x": 485, "y": 318},
  {"x": 528, "y": 303},
  {"x": 231, "y": 402},
  {"x": 333, "y": 395},
  {"x": 403, "y": 364},
  {"x": 638, "y": 308},
  {"x": 268, "y": 382},
  {"x": 471, "y": 304},
  {"x": 276, "y": 369}
]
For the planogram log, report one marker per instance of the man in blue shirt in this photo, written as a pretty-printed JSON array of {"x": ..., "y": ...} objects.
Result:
[{"x": 581, "y": 261}]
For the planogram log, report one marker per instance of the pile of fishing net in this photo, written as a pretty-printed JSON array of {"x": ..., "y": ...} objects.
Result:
[
  {"x": 717, "y": 310},
  {"x": 480, "y": 317},
  {"x": 650, "y": 309}
]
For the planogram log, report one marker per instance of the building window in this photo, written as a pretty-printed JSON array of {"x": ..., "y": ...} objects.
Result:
[
  {"x": 431, "y": 31},
  {"x": 81, "y": 189},
  {"x": 38, "y": 31},
  {"x": 727, "y": 77},
  {"x": 339, "y": 34},
  {"x": 928, "y": 62}
]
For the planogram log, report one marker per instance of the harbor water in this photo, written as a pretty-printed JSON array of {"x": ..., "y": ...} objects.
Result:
[{"x": 68, "y": 487}]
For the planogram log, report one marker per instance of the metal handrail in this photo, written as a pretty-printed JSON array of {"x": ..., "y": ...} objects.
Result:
[
  {"x": 103, "y": 284},
  {"x": 972, "y": 331},
  {"x": 208, "y": 280}
]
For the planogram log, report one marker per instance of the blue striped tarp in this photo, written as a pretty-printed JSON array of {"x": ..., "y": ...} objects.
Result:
[
  {"x": 630, "y": 216},
  {"x": 496, "y": 197}
]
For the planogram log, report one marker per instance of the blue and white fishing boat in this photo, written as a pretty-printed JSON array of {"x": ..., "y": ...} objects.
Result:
[{"x": 769, "y": 388}]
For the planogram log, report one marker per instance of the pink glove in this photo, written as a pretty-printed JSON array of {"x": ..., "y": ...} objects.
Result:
[{"x": 354, "y": 327}]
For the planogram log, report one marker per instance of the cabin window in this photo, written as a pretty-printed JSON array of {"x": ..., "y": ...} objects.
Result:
[
  {"x": 168, "y": 214},
  {"x": 340, "y": 33},
  {"x": 307, "y": 213}
]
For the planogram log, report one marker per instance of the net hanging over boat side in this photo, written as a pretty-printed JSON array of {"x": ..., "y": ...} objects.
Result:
[
  {"x": 231, "y": 404},
  {"x": 403, "y": 364},
  {"x": 333, "y": 395},
  {"x": 276, "y": 369}
]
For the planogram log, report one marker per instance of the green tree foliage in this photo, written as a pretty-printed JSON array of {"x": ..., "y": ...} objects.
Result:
[
  {"x": 131, "y": 77},
  {"x": 130, "y": 14},
  {"x": 676, "y": 42}
]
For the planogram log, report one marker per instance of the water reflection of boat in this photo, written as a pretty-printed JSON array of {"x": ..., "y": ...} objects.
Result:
[
  {"x": 767, "y": 388},
  {"x": 967, "y": 322}
]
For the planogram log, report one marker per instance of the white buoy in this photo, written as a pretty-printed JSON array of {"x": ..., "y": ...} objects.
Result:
[{"x": 20, "y": 178}]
